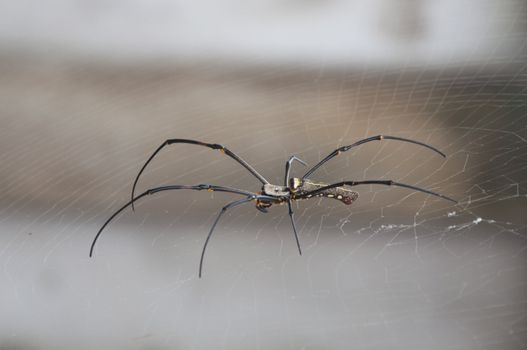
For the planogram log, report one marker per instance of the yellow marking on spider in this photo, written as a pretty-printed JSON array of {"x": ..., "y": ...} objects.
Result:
[{"x": 296, "y": 184}]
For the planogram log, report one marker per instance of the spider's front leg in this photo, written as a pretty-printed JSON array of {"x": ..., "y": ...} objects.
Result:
[
  {"x": 154, "y": 190},
  {"x": 213, "y": 146}
]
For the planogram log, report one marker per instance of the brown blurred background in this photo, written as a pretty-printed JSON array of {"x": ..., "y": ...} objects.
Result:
[{"x": 89, "y": 90}]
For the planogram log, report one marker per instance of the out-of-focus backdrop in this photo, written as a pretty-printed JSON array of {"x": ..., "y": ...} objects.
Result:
[{"x": 89, "y": 89}]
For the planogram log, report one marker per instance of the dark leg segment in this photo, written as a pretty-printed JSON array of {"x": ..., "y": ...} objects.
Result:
[
  {"x": 168, "y": 188},
  {"x": 360, "y": 142},
  {"x": 288, "y": 168},
  {"x": 372, "y": 182},
  {"x": 292, "y": 216},
  {"x": 198, "y": 143},
  {"x": 223, "y": 210}
]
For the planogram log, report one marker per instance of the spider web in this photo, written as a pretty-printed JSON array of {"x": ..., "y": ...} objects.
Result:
[{"x": 396, "y": 269}]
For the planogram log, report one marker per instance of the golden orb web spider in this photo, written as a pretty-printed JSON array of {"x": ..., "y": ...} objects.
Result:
[{"x": 293, "y": 189}]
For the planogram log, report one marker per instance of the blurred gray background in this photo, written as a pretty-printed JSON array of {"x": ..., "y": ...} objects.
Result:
[{"x": 89, "y": 89}]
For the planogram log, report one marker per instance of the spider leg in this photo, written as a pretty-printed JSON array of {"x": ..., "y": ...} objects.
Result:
[
  {"x": 292, "y": 216},
  {"x": 373, "y": 182},
  {"x": 223, "y": 210},
  {"x": 288, "y": 168},
  {"x": 366, "y": 140},
  {"x": 168, "y": 188},
  {"x": 199, "y": 143}
]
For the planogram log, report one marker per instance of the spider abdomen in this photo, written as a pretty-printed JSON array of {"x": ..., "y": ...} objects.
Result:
[{"x": 339, "y": 193}]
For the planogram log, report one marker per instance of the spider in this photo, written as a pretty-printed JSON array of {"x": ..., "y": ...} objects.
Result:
[{"x": 293, "y": 189}]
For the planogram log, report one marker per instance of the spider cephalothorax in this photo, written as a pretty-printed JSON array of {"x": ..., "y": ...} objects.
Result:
[{"x": 294, "y": 189}]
